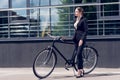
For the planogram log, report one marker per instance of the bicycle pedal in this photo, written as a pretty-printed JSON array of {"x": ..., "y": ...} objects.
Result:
[{"x": 67, "y": 69}]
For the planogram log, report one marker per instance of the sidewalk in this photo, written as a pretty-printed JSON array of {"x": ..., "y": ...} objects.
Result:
[{"x": 59, "y": 74}]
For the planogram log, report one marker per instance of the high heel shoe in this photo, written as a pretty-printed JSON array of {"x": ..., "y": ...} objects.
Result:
[{"x": 81, "y": 74}]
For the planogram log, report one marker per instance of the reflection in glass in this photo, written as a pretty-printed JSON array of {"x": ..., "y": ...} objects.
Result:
[
  {"x": 54, "y": 19},
  {"x": 88, "y": 1},
  {"x": 58, "y": 20},
  {"x": 78, "y": 1},
  {"x": 19, "y": 25},
  {"x": 34, "y": 3},
  {"x": 3, "y": 31},
  {"x": 18, "y": 30},
  {"x": 56, "y": 2},
  {"x": 112, "y": 27},
  {"x": 104, "y": 1},
  {"x": 4, "y": 4},
  {"x": 18, "y": 3},
  {"x": 44, "y": 2},
  {"x": 35, "y": 22},
  {"x": 41, "y": 23},
  {"x": 44, "y": 21},
  {"x": 59, "y": 2},
  {"x": 62, "y": 24},
  {"x": 110, "y": 9}
]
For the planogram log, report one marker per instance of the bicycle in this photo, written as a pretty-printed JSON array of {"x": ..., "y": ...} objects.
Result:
[{"x": 46, "y": 60}]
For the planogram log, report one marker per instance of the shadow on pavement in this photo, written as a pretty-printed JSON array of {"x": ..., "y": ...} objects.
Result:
[
  {"x": 102, "y": 74},
  {"x": 58, "y": 77},
  {"x": 86, "y": 76}
]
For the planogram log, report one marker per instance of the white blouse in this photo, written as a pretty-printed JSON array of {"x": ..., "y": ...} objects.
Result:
[{"x": 77, "y": 21}]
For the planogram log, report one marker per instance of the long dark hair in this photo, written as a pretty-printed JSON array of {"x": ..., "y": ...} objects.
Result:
[{"x": 80, "y": 9}]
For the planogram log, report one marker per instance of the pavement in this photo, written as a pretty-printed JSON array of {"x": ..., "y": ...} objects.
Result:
[{"x": 59, "y": 74}]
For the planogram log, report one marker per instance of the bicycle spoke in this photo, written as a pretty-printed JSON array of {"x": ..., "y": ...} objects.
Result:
[
  {"x": 89, "y": 59},
  {"x": 44, "y": 64}
]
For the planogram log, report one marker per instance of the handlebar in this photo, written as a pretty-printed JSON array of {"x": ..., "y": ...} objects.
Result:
[
  {"x": 59, "y": 38},
  {"x": 56, "y": 37}
]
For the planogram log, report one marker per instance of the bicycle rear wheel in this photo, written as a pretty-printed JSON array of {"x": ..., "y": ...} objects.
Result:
[
  {"x": 90, "y": 58},
  {"x": 44, "y": 63}
]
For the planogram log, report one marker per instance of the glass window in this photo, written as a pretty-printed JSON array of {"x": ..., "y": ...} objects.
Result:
[
  {"x": 78, "y": 1},
  {"x": 89, "y": 1},
  {"x": 3, "y": 24},
  {"x": 84, "y": 1},
  {"x": 109, "y": 27},
  {"x": 44, "y": 21},
  {"x": 109, "y": 9},
  {"x": 57, "y": 20},
  {"x": 19, "y": 30},
  {"x": 56, "y": 2},
  {"x": 104, "y": 1},
  {"x": 4, "y": 4},
  {"x": 3, "y": 30},
  {"x": 18, "y": 21},
  {"x": 18, "y": 3},
  {"x": 18, "y": 24},
  {"x": 54, "y": 20},
  {"x": 39, "y": 3},
  {"x": 3, "y": 19},
  {"x": 54, "y": 17},
  {"x": 91, "y": 15},
  {"x": 34, "y": 22},
  {"x": 35, "y": 3},
  {"x": 59, "y": 2},
  {"x": 61, "y": 20},
  {"x": 40, "y": 23},
  {"x": 112, "y": 27},
  {"x": 44, "y": 2}
]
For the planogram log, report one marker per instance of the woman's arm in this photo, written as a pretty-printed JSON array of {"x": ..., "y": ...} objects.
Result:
[{"x": 85, "y": 26}]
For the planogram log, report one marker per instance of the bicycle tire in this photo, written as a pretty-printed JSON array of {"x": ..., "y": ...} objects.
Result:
[
  {"x": 90, "y": 59},
  {"x": 44, "y": 63}
]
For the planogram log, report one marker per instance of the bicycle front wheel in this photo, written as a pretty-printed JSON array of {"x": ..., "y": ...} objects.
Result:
[{"x": 44, "y": 63}]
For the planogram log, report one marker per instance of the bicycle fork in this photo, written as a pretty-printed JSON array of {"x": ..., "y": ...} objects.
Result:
[{"x": 48, "y": 56}]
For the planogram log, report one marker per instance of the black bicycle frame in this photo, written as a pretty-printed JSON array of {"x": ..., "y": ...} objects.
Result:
[{"x": 55, "y": 48}]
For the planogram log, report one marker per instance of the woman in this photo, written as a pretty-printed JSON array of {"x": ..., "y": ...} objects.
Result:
[{"x": 79, "y": 38}]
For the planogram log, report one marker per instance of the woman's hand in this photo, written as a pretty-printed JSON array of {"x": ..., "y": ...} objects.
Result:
[{"x": 80, "y": 42}]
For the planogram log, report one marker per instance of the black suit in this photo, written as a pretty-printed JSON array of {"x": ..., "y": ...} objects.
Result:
[
  {"x": 80, "y": 34},
  {"x": 81, "y": 31}
]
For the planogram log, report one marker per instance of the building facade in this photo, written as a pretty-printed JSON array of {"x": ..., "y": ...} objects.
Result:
[
  {"x": 24, "y": 24},
  {"x": 33, "y": 18}
]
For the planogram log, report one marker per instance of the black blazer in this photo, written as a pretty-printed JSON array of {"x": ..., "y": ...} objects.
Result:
[{"x": 81, "y": 31}]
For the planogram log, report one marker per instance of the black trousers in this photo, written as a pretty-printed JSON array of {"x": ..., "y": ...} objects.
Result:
[{"x": 79, "y": 54}]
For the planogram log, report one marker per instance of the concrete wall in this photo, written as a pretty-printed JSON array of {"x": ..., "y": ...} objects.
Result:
[{"x": 21, "y": 53}]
